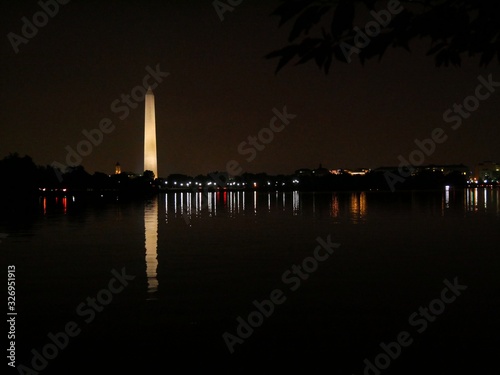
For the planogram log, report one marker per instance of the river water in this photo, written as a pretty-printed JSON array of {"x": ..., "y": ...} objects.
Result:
[{"x": 256, "y": 282}]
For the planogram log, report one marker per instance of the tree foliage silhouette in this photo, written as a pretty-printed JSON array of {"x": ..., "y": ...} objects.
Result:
[{"x": 320, "y": 30}]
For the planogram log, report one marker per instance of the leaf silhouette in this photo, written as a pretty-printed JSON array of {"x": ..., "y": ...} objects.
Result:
[{"x": 454, "y": 28}]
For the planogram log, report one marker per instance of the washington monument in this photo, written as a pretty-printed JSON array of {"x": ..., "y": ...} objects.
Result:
[{"x": 150, "y": 156}]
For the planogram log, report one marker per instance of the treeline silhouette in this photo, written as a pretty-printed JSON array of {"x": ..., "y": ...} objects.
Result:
[{"x": 21, "y": 176}]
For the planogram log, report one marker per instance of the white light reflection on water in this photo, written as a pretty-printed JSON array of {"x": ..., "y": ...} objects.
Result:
[
  {"x": 255, "y": 203},
  {"x": 296, "y": 203},
  {"x": 484, "y": 200},
  {"x": 349, "y": 206}
]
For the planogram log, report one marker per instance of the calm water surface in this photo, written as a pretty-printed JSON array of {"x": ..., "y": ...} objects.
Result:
[{"x": 198, "y": 263}]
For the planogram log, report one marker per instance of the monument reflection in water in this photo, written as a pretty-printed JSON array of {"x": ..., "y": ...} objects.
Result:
[{"x": 151, "y": 243}]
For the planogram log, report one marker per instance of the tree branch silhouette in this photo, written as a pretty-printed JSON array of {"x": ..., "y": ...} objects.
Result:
[{"x": 321, "y": 30}]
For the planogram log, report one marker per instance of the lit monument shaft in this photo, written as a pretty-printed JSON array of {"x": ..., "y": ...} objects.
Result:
[{"x": 150, "y": 156}]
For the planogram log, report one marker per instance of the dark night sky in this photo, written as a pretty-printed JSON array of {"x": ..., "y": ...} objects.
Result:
[{"x": 221, "y": 90}]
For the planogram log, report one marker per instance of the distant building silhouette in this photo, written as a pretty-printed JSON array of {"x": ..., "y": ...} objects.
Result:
[
  {"x": 357, "y": 172},
  {"x": 320, "y": 171},
  {"x": 444, "y": 169},
  {"x": 303, "y": 172},
  {"x": 447, "y": 169},
  {"x": 487, "y": 171}
]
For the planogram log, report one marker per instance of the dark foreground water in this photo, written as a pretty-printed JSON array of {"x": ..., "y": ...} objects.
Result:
[{"x": 175, "y": 285}]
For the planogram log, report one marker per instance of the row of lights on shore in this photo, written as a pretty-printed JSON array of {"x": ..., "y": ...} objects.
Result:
[
  {"x": 210, "y": 183},
  {"x": 475, "y": 181}
]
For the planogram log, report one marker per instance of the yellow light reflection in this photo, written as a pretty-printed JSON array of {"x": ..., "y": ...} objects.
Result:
[
  {"x": 151, "y": 243},
  {"x": 335, "y": 210},
  {"x": 358, "y": 207}
]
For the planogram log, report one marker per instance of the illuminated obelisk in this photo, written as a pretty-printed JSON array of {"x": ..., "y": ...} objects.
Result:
[{"x": 150, "y": 156}]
